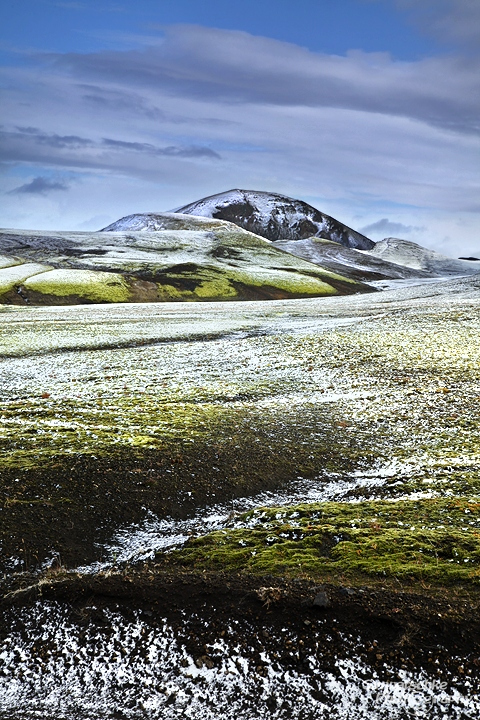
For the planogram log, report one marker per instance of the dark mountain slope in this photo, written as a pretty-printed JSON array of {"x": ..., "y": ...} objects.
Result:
[{"x": 275, "y": 217}]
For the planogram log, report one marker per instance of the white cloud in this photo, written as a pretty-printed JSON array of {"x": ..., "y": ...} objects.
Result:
[{"x": 235, "y": 67}]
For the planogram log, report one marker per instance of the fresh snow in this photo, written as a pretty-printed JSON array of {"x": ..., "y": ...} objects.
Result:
[
  {"x": 412, "y": 255},
  {"x": 53, "y": 665}
]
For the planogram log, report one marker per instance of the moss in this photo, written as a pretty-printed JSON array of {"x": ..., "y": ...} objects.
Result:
[
  {"x": 115, "y": 461},
  {"x": 437, "y": 540},
  {"x": 44, "y": 430},
  {"x": 203, "y": 262},
  {"x": 167, "y": 292},
  {"x": 293, "y": 283},
  {"x": 395, "y": 399},
  {"x": 13, "y": 275},
  {"x": 220, "y": 288},
  {"x": 95, "y": 286}
]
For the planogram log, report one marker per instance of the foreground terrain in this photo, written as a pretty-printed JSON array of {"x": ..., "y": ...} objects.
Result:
[{"x": 211, "y": 509}]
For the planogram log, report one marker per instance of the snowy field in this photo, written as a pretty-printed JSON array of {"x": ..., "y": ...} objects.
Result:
[{"x": 395, "y": 374}]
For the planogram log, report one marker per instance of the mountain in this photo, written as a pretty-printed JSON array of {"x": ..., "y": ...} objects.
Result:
[
  {"x": 412, "y": 255},
  {"x": 354, "y": 264},
  {"x": 275, "y": 217},
  {"x": 176, "y": 258}
]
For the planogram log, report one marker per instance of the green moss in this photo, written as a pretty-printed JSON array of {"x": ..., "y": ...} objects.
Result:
[
  {"x": 437, "y": 540},
  {"x": 96, "y": 286},
  {"x": 168, "y": 292},
  {"x": 293, "y": 283},
  {"x": 43, "y": 431},
  {"x": 13, "y": 275},
  {"x": 218, "y": 288},
  {"x": 395, "y": 399}
]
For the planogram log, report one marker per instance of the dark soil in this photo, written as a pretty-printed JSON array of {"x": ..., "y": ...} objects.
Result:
[
  {"x": 67, "y": 508},
  {"x": 439, "y": 633}
]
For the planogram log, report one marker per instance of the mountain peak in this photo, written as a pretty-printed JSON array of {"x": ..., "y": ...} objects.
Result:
[{"x": 275, "y": 217}]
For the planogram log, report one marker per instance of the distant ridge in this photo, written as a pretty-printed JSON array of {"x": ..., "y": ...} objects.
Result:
[
  {"x": 412, "y": 255},
  {"x": 275, "y": 217}
]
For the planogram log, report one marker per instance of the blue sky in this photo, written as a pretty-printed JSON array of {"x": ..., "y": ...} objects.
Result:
[
  {"x": 332, "y": 26},
  {"x": 368, "y": 109}
]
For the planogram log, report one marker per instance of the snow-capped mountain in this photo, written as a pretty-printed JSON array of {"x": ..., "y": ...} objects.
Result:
[
  {"x": 152, "y": 222},
  {"x": 275, "y": 217}
]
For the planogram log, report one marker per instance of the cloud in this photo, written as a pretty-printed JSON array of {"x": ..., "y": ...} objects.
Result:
[
  {"x": 357, "y": 136},
  {"x": 451, "y": 20},
  {"x": 387, "y": 227},
  {"x": 53, "y": 140},
  {"x": 235, "y": 67},
  {"x": 170, "y": 151},
  {"x": 39, "y": 186},
  {"x": 29, "y": 144},
  {"x": 120, "y": 101}
]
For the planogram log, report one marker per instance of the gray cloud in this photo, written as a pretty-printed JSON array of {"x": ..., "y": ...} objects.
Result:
[
  {"x": 39, "y": 186},
  {"x": 103, "y": 98},
  {"x": 452, "y": 20},
  {"x": 235, "y": 67},
  {"x": 29, "y": 144},
  {"x": 386, "y": 227},
  {"x": 170, "y": 151},
  {"x": 53, "y": 140}
]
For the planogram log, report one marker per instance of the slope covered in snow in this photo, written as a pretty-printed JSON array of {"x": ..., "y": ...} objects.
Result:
[
  {"x": 275, "y": 217},
  {"x": 412, "y": 255},
  {"x": 177, "y": 258},
  {"x": 354, "y": 264},
  {"x": 162, "y": 221}
]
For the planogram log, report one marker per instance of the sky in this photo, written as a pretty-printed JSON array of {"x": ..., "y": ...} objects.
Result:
[{"x": 366, "y": 109}]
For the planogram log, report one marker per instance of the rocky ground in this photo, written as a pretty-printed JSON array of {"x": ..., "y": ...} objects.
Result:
[{"x": 253, "y": 509}]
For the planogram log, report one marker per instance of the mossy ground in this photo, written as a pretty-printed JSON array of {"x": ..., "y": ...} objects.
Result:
[
  {"x": 92, "y": 439},
  {"x": 205, "y": 261},
  {"x": 433, "y": 540},
  {"x": 91, "y": 285}
]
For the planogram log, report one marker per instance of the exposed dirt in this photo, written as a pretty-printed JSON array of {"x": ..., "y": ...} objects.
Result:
[
  {"x": 439, "y": 633},
  {"x": 65, "y": 508}
]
